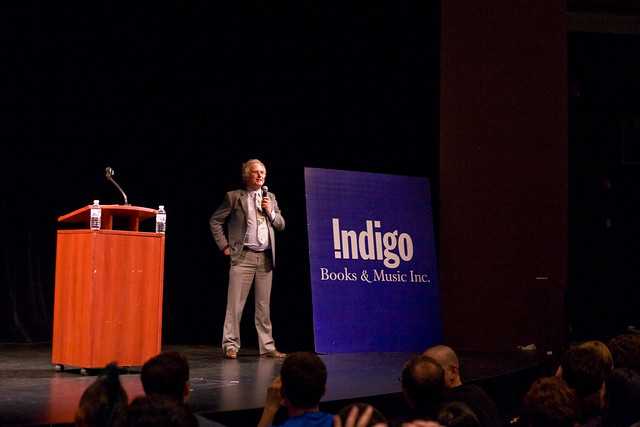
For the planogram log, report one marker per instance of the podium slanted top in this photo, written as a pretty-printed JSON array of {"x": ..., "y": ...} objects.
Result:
[{"x": 133, "y": 214}]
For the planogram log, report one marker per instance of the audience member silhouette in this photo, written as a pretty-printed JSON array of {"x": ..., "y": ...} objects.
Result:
[
  {"x": 603, "y": 354},
  {"x": 423, "y": 387},
  {"x": 146, "y": 411},
  {"x": 625, "y": 350},
  {"x": 475, "y": 397},
  {"x": 550, "y": 402},
  {"x": 622, "y": 398},
  {"x": 103, "y": 403},
  {"x": 584, "y": 368},
  {"x": 166, "y": 377},
  {"x": 299, "y": 388}
]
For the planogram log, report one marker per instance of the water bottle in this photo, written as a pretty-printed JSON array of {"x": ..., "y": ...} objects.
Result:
[
  {"x": 161, "y": 219},
  {"x": 94, "y": 221}
]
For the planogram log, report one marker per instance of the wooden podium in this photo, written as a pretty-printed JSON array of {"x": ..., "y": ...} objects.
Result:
[{"x": 108, "y": 295}]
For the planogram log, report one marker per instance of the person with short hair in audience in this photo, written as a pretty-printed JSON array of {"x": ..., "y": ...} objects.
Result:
[
  {"x": 625, "y": 350},
  {"x": 166, "y": 376},
  {"x": 622, "y": 397},
  {"x": 550, "y": 402},
  {"x": 146, "y": 411},
  {"x": 423, "y": 387},
  {"x": 584, "y": 369},
  {"x": 299, "y": 388},
  {"x": 602, "y": 353},
  {"x": 475, "y": 397},
  {"x": 103, "y": 403}
]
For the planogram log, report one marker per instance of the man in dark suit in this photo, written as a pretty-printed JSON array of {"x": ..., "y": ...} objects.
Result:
[
  {"x": 475, "y": 397},
  {"x": 250, "y": 216}
]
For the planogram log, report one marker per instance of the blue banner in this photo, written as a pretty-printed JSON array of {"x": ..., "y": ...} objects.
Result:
[{"x": 372, "y": 262}]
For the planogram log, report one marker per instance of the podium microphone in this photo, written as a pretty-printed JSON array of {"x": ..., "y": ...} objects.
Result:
[{"x": 109, "y": 172}]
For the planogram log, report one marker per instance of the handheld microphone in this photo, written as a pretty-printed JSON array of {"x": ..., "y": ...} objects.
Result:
[
  {"x": 265, "y": 193},
  {"x": 109, "y": 172}
]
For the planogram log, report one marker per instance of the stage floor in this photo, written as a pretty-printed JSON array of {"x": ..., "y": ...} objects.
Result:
[{"x": 33, "y": 393}]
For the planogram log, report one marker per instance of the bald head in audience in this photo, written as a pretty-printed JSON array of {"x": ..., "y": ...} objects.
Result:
[
  {"x": 423, "y": 385},
  {"x": 471, "y": 394},
  {"x": 448, "y": 359}
]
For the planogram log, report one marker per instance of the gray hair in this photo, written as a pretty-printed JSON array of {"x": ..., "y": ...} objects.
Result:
[{"x": 246, "y": 165}]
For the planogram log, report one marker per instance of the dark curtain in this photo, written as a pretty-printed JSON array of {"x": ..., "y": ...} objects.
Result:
[{"x": 174, "y": 96}]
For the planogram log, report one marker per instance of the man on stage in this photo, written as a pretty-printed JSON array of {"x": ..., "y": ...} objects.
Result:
[{"x": 250, "y": 217}]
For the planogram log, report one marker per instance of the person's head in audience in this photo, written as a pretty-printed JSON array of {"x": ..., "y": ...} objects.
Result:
[
  {"x": 602, "y": 353},
  {"x": 166, "y": 375},
  {"x": 448, "y": 359},
  {"x": 625, "y": 350},
  {"x": 584, "y": 370},
  {"x": 622, "y": 398},
  {"x": 457, "y": 414},
  {"x": 376, "y": 416},
  {"x": 103, "y": 403},
  {"x": 304, "y": 378},
  {"x": 550, "y": 402},
  {"x": 423, "y": 385},
  {"x": 146, "y": 411}
]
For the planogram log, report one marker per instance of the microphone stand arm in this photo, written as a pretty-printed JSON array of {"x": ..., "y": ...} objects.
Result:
[{"x": 118, "y": 187}]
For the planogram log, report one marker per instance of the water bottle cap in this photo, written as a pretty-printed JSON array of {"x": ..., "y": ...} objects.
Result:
[
  {"x": 161, "y": 207},
  {"x": 96, "y": 202}
]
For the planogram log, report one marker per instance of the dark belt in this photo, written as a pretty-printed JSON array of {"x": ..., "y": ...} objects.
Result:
[{"x": 246, "y": 248}]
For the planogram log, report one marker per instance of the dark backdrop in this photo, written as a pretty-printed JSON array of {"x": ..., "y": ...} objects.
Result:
[
  {"x": 503, "y": 173},
  {"x": 604, "y": 172},
  {"x": 174, "y": 97}
]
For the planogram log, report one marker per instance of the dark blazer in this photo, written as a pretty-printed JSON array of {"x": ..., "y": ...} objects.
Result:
[{"x": 232, "y": 213}]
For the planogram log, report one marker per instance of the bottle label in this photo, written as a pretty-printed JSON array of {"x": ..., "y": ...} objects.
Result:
[
  {"x": 161, "y": 220},
  {"x": 94, "y": 222}
]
